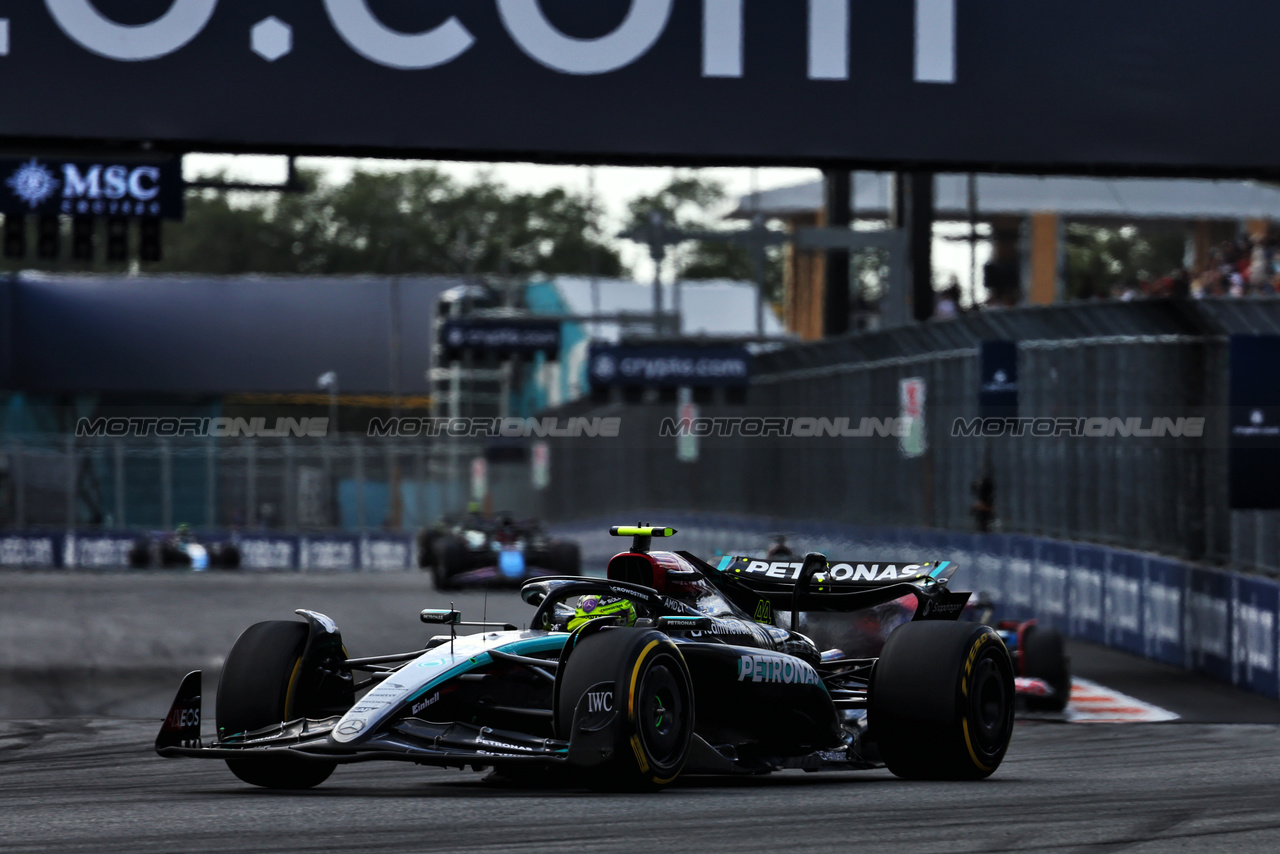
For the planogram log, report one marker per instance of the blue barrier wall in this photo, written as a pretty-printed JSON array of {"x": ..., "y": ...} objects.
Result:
[
  {"x": 1218, "y": 623},
  {"x": 99, "y": 549}
]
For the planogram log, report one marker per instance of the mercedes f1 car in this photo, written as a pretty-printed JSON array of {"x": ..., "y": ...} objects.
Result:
[
  {"x": 180, "y": 549},
  {"x": 494, "y": 550},
  {"x": 688, "y": 672}
]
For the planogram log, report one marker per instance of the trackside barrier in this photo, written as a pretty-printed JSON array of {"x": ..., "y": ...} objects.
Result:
[
  {"x": 1219, "y": 623},
  {"x": 99, "y": 549}
]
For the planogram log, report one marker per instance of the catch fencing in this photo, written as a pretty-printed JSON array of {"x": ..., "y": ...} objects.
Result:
[
  {"x": 1164, "y": 494},
  {"x": 244, "y": 484}
]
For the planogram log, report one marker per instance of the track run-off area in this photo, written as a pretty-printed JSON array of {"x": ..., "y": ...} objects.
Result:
[{"x": 89, "y": 662}]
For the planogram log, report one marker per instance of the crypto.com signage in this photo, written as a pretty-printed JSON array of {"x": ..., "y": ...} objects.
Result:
[{"x": 1087, "y": 84}]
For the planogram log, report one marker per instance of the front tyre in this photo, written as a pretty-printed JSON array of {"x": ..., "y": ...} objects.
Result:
[
  {"x": 1044, "y": 656},
  {"x": 941, "y": 701},
  {"x": 451, "y": 561},
  {"x": 259, "y": 687},
  {"x": 646, "y": 744},
  {"x": 564, "y": 557}
]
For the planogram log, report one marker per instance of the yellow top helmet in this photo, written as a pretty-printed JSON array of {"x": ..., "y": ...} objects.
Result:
[{"x": 594, "y": 605}]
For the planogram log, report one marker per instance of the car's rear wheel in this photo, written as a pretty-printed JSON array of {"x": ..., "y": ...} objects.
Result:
[
  {"x": 1044, "y": 656},
  {"x": 941, "y": 701},
  {"x": 260, "y": 687},
  {"x": 649, "y": 692}
]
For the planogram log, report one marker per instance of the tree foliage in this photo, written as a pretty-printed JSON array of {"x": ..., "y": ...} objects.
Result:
[
  {"x": 693, "y": 202},
  {"x": 1099, "y": 260},
  {"x": 415, "y": 221}
]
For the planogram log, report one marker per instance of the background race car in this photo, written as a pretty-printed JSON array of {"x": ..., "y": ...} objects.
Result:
[
  {"x": 498, "y": 549},
  {"x": 180, "y": 549}
]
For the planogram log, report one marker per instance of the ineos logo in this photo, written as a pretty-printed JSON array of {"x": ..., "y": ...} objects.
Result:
[{"x": 723, "y": 36}]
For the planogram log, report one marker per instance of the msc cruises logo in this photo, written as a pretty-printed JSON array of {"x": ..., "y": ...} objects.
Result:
[
  {"x": 85, "y": 188},
  {"x": 33, "y": 183}
]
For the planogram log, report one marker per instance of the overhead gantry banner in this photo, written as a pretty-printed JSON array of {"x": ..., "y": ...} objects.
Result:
[{"x": 1019, "y": 84}]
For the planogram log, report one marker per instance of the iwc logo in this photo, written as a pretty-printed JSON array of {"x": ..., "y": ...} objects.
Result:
[{"x": 33, "y": 183}]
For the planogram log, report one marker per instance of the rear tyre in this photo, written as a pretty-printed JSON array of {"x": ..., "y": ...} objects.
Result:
[
  {"x": 258, "y": 688},
  {"x": 564, "y": 558},
  {"x": 140, "y": 554},
  {"x": 451, "y": 555},
  {"x": 653, "y": 698},
  {"x": 1044, "y": 656},
  {"x": 941, "y": 701}
]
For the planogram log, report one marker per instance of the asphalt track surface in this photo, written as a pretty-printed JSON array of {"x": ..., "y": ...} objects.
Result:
[{"x": 77, "y": 772}]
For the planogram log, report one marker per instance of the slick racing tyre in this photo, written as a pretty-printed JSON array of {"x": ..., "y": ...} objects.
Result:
[
  {"x": 1044, "y": 656},
  {"x": 451, "y": 557},
  {"x": 258, "y": 689},
  {"x": 564, "y": 558},
  {"x": 637, "y": 683},
  {"x": 940, "y": 703},
  {"x": 140, "y": 554},
  {"x": 427, "y": 548}
]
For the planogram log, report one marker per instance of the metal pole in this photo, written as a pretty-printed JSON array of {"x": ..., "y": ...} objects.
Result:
[
  {"x": 251, "y": 485},
  {"x": 394, "y": 355},
  {"x": 757, "y": 268},
  {"x": 835, "y": 314},
  {"x": 360, "y": 508},
  {"x": 119, "y": 461},
  {"x": 455, "y": 404},
  {"x": 420, "y": 485},
  {"x": 166, "y": 486},
  {"x": 71, "y": 483},
  {"x": 922, "y": 213},
  {"x": 210, "y": 485},
  {"x": 289, "y": 515},
  {"x": 657, "y": 251},
  {"x": 757, "y": 250},
  {"x": 594, "y": 253},
  {"x": 19, "y": 486},
  {"x": 973, "y": 238}
]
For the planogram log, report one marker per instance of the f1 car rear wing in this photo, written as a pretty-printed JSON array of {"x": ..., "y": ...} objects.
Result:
[
  {"x": 841, "y": 573},
  {"x": 818, "y": 584}
]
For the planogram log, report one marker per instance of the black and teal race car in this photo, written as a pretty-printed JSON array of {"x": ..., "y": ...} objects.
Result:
[
  {"x": 493, "y": 550},
  {"x": 695, "y": 669}
]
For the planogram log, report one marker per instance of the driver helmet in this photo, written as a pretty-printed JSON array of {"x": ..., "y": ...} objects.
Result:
[
  {"x": 594, "y": 605},
  {"x": 183, "y": 532}
]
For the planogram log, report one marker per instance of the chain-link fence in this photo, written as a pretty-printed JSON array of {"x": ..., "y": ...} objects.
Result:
[
  {"x": 1156, "y": 484},
  {"x": 289, "y": 484},
  {"x": 1131, "y": 365}
]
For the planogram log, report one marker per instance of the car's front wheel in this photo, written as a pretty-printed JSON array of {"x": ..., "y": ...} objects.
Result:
[
  {"x": 260, "y": 686},
  {"x": 1044, "y": 656},
  {"x": 632, "y": 686}
]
